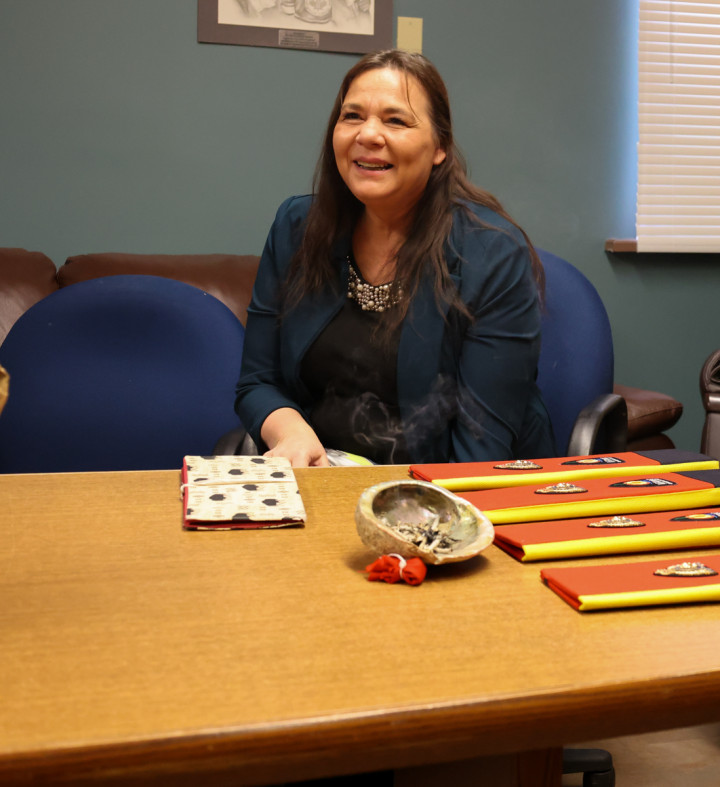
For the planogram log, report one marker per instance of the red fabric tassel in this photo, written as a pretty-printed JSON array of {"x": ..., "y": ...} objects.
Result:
[{"x": 394, "y": 568}]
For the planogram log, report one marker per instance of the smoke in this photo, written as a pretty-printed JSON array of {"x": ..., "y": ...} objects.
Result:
[{"x": 377, "y": 428}]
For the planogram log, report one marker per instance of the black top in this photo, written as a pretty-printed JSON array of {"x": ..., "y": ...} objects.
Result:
[{"x": 351, "y": 371}]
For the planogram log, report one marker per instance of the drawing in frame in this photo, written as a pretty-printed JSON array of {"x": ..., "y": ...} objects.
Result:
[{"x": 354, "y": 26}]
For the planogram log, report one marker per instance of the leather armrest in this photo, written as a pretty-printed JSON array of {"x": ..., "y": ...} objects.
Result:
[
  {"x": 648, "y": 412},
  {"x": 600, "y": 427}
]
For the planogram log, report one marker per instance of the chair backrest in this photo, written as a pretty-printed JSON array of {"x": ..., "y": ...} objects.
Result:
[
  {"x": 576, "y": 360},
  {"x": 119, "y": 373}
]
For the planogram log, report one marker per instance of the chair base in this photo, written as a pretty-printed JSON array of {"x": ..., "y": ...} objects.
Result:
[{"x": 596, "y": 765}]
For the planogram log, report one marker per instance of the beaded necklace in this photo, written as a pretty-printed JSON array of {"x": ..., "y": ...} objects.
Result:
[{"x": 372, "y": 297}]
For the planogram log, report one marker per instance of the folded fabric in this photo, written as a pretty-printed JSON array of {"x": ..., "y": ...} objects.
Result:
[
  {"x": 239, "y": 493},
  {"x": 588, "y": 536},
  {"x": 646, "y": 583},
  {"x": 464, "y": 476},
  {"x": 598, "y": 497},
  {"x": 393, "y": 568},
  {"x": 204, "y": 470}
]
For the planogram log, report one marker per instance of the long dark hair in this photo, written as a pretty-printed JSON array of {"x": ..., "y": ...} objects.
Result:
[{"x": 335, "y": 210}]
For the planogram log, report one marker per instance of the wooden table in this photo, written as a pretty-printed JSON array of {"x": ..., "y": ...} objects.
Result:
[{"x": 134, "y": 652}]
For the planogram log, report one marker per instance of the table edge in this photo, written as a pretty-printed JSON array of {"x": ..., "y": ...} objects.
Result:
[{"x": 373, "y": 740}]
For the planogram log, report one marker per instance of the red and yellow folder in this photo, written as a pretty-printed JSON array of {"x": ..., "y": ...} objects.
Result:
[
  {"x": 589, "y": 536},
  {"x": 598, "y": 497},
  {"x": 464, "y": 476},
  {"x": 591, "y": 588}
]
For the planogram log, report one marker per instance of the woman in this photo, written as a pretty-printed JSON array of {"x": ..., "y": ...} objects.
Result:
[{"x": 395, "y": 313}]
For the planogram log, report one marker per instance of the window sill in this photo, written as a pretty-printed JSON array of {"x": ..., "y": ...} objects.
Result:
[
  {"x": 630, "y": 246},
  {"x": 618, "y": 245}
]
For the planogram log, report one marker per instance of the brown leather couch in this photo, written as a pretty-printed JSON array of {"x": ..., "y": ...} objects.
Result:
[
  {"x": 229, "y": 277},
  {"x": 28, "y": 276},
  {"x": 25, "y": 278}
]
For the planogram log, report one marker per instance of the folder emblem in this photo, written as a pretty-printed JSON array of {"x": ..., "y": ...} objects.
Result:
[
  {"x": 518, "y": 464},
  {"x": 686, "y": 570},
  {"x": 560, "y": 489},
  {"x": 617, "y": 521}
]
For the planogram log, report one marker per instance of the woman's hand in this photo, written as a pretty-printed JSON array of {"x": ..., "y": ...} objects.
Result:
[{"x": 289, "y": 435}]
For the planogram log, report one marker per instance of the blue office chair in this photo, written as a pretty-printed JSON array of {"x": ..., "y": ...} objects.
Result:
[
  {"x": 575, "y": 375},
  {"x": 575, "y": 372},
  {"x": 118, "y": 373}
]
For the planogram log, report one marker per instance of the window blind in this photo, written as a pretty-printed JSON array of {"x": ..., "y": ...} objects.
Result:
[{"x": 678, "y": 198}]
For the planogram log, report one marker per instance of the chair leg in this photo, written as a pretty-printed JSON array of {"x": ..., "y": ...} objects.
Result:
[{"x": 600, "y": 779}]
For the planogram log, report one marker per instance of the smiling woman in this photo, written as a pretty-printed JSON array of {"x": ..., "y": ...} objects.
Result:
[{"x": 396, "y": 310}]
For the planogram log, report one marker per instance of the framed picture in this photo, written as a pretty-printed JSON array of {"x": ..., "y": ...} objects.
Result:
[{"x": 356, "y": 26}]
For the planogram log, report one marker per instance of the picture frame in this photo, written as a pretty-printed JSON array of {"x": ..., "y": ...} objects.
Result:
[{"x": 351, "y": 26}]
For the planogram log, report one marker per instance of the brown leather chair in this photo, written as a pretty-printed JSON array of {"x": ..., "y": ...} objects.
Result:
[{"x": 710, "y": 392}]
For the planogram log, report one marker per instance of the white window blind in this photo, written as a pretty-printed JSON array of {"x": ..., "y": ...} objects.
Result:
[{"x": 678, "y": 199}]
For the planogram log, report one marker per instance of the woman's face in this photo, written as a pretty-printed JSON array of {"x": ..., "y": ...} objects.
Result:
[{"x": 384, "y": 143}]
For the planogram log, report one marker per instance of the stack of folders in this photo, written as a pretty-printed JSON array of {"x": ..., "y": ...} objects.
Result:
[{"x": 591, "y": 506}]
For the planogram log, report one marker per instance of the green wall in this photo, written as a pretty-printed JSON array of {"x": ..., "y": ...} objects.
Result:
[{"x": 121, "y": 133}]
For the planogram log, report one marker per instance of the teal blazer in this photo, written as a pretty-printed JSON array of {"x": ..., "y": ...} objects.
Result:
[{"x": 466, "y": 388}]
